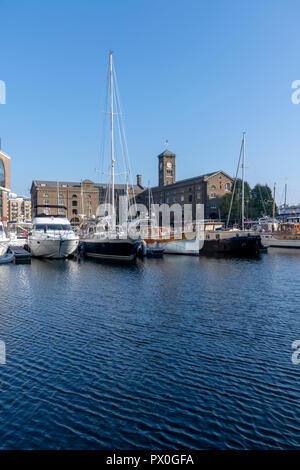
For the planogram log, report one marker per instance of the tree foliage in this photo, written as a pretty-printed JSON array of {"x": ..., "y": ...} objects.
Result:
[{"x": 258, "y": 202}]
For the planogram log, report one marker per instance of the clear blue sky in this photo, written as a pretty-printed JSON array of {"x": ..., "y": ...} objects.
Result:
[{"x": 194, "y": 72}]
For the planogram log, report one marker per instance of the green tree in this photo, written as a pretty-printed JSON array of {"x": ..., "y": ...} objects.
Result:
[
  {"x": 236, "y": 211},
  {"x": 261, "y": 201},
  {"x": 258, "y": 202}
]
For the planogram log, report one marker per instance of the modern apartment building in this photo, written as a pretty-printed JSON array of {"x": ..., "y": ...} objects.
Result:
[
  {"x": 4, "y": 185},
  {"x": 19, "y": 208}
]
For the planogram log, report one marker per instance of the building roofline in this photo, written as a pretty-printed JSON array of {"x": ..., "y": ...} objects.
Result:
[
  {"x": 166, "y": 153},
  {"x": 202, "y": 177},
  {"x": 77, "y": 184},
  {"x": 220, "y": 171}
]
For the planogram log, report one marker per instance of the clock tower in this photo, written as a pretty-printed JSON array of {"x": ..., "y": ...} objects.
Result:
[{"x": 166, "y": 168}]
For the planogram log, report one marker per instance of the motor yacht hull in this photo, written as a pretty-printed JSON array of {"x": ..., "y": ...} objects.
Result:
[
  {"x": 8, "y": 257},
  {"x": 49, "y": 248},
  {"x": 3, "y": 247}
]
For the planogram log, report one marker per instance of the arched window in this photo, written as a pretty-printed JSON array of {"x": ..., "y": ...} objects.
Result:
[
  {"x": 74, "y": 211},
  {"x": 74, "y": 195}
]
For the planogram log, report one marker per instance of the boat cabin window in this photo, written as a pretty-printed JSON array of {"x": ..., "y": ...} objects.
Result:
[
  {"x": 287, "y": 227},
  {"x": 46, "y": 227}
]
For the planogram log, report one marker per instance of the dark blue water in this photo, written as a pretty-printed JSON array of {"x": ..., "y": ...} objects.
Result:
[{"x": 174, "y": 353}]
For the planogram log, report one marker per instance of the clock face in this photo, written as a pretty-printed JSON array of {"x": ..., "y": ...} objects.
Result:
[{"x": 169, "y": 165}]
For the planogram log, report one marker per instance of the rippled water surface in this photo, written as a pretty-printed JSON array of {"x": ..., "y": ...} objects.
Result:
[{"x": 174, "y": 353}]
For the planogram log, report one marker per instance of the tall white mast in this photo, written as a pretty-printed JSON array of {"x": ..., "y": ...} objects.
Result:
[
  {"x": 112, "y": 138},
  {"x": 243, "y": 182}
]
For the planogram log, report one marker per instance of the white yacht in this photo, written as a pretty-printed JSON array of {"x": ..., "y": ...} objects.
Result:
[
  {"x": 52, "y": 237},
  {"x": 4, "y": 241}
]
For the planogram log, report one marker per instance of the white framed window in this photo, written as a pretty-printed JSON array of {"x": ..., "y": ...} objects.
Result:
[
  {"x": 213, "y": 206},
  {"x": 213, "y": 195},
  {"x": 227, "y": 187}
]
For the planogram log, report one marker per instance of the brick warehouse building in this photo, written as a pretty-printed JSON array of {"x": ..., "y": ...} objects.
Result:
[
  {"x": 207, "y": 189},
  {"x": 79, "y": 198},
  {"x": 4, "y": 185}
]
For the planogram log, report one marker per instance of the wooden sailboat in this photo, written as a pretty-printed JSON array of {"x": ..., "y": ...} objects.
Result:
[{"x": 283, "y": 235}]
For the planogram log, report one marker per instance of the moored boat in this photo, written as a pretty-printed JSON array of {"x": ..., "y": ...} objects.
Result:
[
  {"x": 4, "y": 241},
  {"x": 239, "y": 243},
  {"x": 111, "y": 241},
  {"x": 52, "y": 237},
  {"x": 287, "y": 235},
  {"x": 8, "y": 257},
  {"x": 110, "y": 246}
]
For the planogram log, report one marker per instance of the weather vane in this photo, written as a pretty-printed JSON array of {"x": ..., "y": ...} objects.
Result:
[{"x": 166, "y": 143}]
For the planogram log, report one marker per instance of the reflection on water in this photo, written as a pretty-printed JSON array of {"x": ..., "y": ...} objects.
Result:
[{"x": 171, "y": 353}]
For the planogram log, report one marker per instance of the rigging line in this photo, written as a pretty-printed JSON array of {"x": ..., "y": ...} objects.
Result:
[
  {"x": 282, "y": 197},
  {"x": 123, "y": 136},
  {"x": 235, "y": 180},
  {"x": 118, "y": 123},
  {"x": 123, "y": 129},
  {"x": 104, "y": 124},
  {"x": 120, "y": 136},
  {"x": 262, "y": 200}
]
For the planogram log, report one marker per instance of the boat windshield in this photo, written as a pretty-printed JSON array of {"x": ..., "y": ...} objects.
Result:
[{"x": 46, "y": 227}]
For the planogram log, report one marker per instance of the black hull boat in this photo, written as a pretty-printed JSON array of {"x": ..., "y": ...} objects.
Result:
[
  {"x": 238, "y": 245},
  {"x": 114, "y": 250}
]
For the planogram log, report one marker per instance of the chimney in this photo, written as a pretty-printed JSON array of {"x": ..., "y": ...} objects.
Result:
[{"x": 139, "y": 180}]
